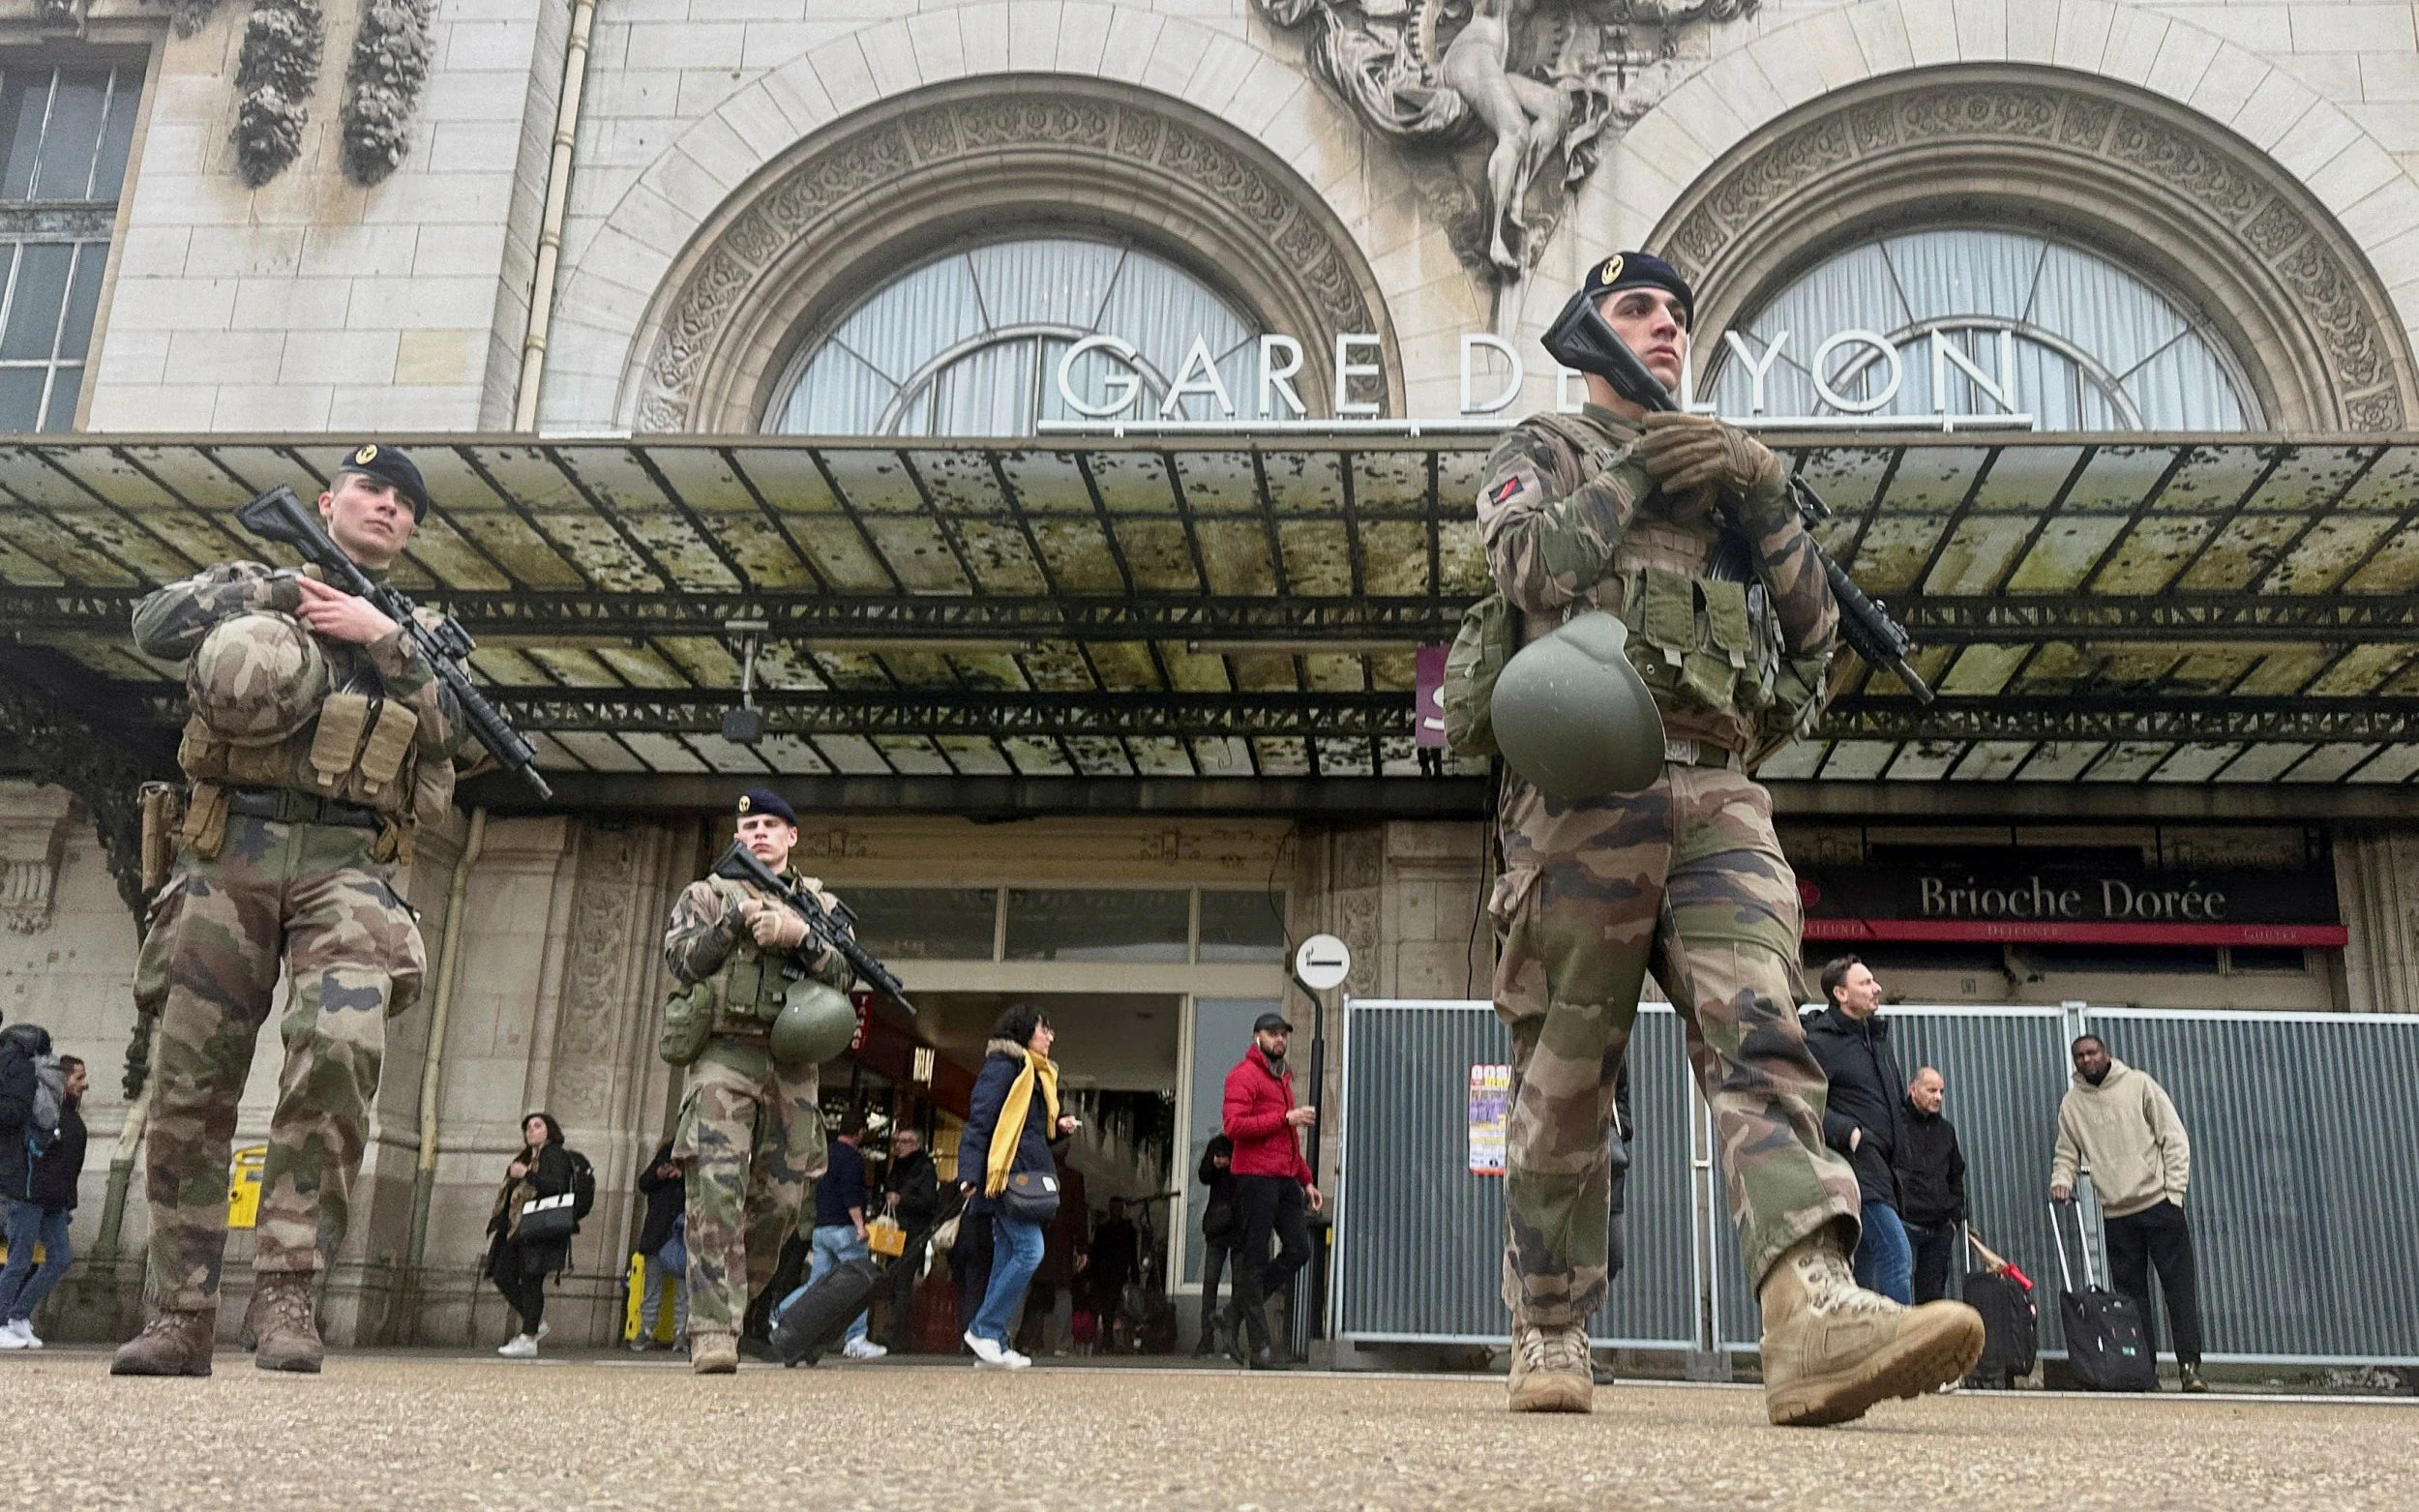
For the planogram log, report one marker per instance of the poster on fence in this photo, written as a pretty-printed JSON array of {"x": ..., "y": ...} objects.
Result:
[{"x": 1490, "y": 1103}]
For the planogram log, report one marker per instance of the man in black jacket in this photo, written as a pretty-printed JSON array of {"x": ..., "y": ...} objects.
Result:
[
  {"x": 666, "y": 1194},
  {"x": 42, "y": 1217},
  {"x": 1221, "y": 1230},
  {"x": 912, "y": 1197},
  {"x": 1931, "y": 1185},
  {"x": 1865, "y": 1117}
]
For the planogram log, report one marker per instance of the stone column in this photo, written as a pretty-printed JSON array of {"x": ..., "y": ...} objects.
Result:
[{"x": 2377, "y": 876}]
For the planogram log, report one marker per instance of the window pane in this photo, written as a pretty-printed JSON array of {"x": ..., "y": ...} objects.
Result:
[
  {"x": 1054, "y": 925},
  {"x": 21, "y": 399},
  {"x": 24, "y": 98},
  {"x": 924, "y": 923},
  {"x": 64, "y": 387},
  {"x": 1242, "y": 927},
  {"x": 125, "y": 100},
  {"x": 74, "y": 132},
  {"x": 33, "y": 328},
  {"x": 83, "y": 299},
  {"x": 2267, "y": 958}
]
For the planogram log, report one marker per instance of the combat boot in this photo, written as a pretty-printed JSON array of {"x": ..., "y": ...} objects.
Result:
[
  {"x": 1549, "y": 1368},
  {"x": 172, "y": 1344},
  {"x": 280, "y": 1319},
  {"x": 1831, "y": 1349},
  {"x": 713, "y": 1353}
]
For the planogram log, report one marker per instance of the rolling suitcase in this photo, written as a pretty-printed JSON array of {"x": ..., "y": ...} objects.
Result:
[
  {"x": 2011, "y": 1326},
  {"x": 2105, "y": 1342},
  {"x": 815, "y": 1321}
]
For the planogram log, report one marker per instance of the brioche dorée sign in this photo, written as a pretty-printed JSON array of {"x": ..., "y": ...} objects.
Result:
[{"x": 2002, "y": 901}]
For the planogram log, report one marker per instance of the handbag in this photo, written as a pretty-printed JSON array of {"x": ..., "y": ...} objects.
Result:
[
  {"x": 545, "y": 1219},
  {"x": 1031, "y": 1196},
  {"x": 885, "y": 1237}
]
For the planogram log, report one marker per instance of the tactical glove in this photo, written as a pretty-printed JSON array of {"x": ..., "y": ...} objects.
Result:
[
  {"x": 774, "y": 928},
  {"x": 1683, "y": 453}
]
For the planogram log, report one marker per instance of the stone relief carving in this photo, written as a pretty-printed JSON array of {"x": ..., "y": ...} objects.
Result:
[
  {"x": 1522, "y": 92},
  {"x": 2276, "y": 227},
  {"x": 33, "y": 842},
  {"x": 599, "y": 988},
  {"x": 865, "y": 161}
]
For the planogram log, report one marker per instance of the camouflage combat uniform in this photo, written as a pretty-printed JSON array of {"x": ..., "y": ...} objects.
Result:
[
  {"x": 307, "y": 887},
  {"x": 1687, "y": 873},
  {"x": 749, "y": 1136}
]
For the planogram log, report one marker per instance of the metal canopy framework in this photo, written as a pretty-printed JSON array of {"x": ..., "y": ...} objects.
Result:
[{"x": 2121, "y": 609}]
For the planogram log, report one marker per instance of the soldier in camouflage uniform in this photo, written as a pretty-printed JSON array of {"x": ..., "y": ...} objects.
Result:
[
  {"x": 749, "y": 1136},
  {"x": 1625, "y": 511},
  {"x": 318, "y": 739}
]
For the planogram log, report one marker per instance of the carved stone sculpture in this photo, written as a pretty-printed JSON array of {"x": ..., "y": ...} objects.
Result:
[{"x": 1534, "y": 84}]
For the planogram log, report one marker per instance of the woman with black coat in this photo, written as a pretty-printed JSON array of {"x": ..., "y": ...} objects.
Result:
[
  {"x": 1013, "y": 1117},
  {"x": 518, "y": 1266}
]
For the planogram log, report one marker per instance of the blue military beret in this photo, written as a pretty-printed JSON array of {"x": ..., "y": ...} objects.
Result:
[
  {"x": 763, "y": 800},
  {"x": 1641, "y": 270},
  {"x": 388, "y": 464}
]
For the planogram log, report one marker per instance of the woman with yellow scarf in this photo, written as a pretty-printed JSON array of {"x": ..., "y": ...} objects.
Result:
[{"x": 1004, "y": 1167}]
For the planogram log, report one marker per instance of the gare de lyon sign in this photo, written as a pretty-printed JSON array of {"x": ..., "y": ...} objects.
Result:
[{"x": 1118, "y": 403}]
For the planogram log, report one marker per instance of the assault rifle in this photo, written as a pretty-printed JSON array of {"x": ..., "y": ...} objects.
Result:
[
  {"x": 1580, "y": 338},
  {"x": 833, "y": 928},
  {"x": 279, "y": 516}
]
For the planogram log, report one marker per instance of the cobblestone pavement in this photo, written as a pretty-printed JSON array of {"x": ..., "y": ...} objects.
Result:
[{"x": 432, "y": 1430}]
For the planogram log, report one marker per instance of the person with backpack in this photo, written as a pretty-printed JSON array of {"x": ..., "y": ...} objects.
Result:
[
  {"x": 532, "y": 1244},
  {"x": 30, "y": 1095},
  {"x": 41, "y": 1216}
]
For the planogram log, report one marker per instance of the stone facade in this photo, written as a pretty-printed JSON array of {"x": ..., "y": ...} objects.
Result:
[{"x": 722, "y": 160}]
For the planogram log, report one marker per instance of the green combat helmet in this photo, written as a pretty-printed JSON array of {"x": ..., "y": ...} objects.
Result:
[
  {"x": 814, "y": 1024},
  {"x": 257, "y": 678},
  {"x": 1574, "y": 718}
]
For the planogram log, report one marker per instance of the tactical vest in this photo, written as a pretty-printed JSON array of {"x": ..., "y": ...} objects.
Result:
[
  {"x": 750, "y": 985},
  {"x": 357, "y": 747},
  {"x": 1709, "y": 649}
]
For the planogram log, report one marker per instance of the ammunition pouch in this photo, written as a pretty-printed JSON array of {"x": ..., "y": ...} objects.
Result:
[
  {"x": 688, "y": 1023},
  {"x": 163, "y": 816},
  {"x": 1489, "y": 634}
]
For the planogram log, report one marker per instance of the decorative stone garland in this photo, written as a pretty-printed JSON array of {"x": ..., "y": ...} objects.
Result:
[
  {"x": 390, "y": 64},
  {"x": 273, "y": 77}
]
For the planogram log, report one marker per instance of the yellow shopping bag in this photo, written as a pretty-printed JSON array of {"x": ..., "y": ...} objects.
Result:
[{"x": 884, "y": 1236}]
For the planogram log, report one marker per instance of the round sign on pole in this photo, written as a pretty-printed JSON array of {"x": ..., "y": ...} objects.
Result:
[{"x": 1323, "y": 962}]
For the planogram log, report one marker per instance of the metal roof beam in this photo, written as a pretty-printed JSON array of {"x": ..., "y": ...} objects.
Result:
[
  {"x": 2102, "y": 718},
  {"x": 1933, "y": 620}
]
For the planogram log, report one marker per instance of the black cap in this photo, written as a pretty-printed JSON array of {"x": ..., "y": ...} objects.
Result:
[
  {"x": 1271, "y": 1023},
  {"x": 763, "y": 800},
  {"x": 388, "y": 464},
  {"x": 1640, "y": 270}
]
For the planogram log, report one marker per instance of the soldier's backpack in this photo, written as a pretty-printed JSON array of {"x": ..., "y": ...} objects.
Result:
[{"x": 582, "y": 1188}]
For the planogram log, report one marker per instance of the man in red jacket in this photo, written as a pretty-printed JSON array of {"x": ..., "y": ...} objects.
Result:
[{"x": 1273, "y": 1182}]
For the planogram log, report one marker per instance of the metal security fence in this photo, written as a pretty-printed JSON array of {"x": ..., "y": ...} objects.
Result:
[{"x": 2305, "y": 1192}]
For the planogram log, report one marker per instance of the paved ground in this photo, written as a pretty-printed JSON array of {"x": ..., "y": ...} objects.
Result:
[{"x": 431, "y": 1431}]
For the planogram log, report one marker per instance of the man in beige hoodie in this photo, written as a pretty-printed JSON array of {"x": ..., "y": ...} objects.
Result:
[{"x": 2119, "y": 1125}]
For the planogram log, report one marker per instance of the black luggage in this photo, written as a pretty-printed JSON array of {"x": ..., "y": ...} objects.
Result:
[
  {"x": 815, "y": 1321},
  {"x": 2011, "y": 1328},
  {"x": 2107, "y": 1344}
]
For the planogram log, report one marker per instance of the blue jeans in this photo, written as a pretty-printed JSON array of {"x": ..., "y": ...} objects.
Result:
[
  {"x": 28, "y": 1225},
  {"x": 831, "y": 1244},
  {"x": 668, "y": 1266},
  {"x": 1885, "y": 1258},
  {"x": 1015, "y": 1255}
]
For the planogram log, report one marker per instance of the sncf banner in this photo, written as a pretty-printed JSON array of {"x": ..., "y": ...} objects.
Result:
[{"x": 2068, "y": 905}]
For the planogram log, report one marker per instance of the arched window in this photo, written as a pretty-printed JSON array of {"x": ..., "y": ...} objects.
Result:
[
  {"x": 970, "y": 344},
  {"x": 2072, "y": 339}
]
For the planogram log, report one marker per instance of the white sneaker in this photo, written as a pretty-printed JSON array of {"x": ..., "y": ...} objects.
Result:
[
  {"x": 863, "y": 1349},
  {"x": 520, "y": 1347},
  {"x": 10, "y": 1338},
  {"x": 1015, "y": 1362},
  {"x": 25, "y": 1331},
  {"x": 987, "y": 1351},
  {"x": 543, "y": 1330}
]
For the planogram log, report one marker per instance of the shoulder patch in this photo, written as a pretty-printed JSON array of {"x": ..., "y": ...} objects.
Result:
[{"x": 1502, "y": 492}]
